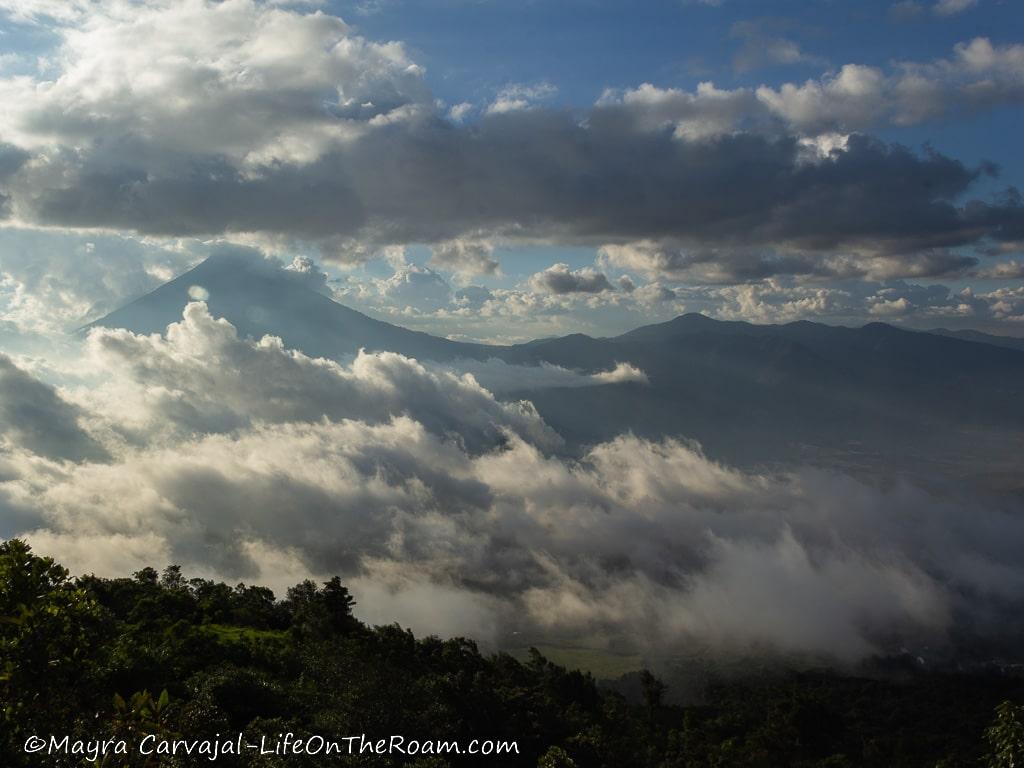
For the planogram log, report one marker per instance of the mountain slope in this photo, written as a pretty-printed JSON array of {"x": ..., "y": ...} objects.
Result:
[
  {"x": 1010, "y": 342},
  {"x": 259, "y": 299}
]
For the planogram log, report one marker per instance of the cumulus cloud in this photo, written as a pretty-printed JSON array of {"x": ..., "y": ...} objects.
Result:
[
  {"x": 465, "y": 257},
  {"x": 559, "y": 279},
  {"x": 201, "y": 377},
  {"x": 784, "y": 201},
  {"x": 978, "y": 76},
  {"x": 287, "y": 124},
  {"x": 415, "y": 286},
  {"x": 250, "y": 81}
]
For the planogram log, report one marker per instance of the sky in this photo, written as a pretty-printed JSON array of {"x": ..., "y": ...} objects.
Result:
[{"x": 500, "y": 171}]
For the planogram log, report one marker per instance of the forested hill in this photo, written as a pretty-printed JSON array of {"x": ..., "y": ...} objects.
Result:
[{"x": 190, "y": 658}]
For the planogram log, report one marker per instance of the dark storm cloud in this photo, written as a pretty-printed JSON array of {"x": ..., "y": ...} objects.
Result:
[
  {"x": 544, "y": 174},
  {"x": 559, "y": 279}
]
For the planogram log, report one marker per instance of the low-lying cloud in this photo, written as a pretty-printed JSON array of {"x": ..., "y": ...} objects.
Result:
[
  {"x": 501, "y": 377},
  {"x": 200, "y": 377},
  {"x": 414, "y": 483}
]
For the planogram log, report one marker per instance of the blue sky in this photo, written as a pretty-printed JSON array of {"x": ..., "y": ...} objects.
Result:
[{"x": 592, "y": 164}]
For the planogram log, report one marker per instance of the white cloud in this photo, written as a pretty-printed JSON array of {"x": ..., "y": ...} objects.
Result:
[
  {"x": 460, "y": 111},
  {"x": 622, "y": 373},
  {"x": 500, "y": 377},
  {"x": 953, "y": 7},
  {"x": 201, "y": 377},
  {"x": 389, "y": 474},
  {"x": 520, "y": 96},
  {"x": 237, "y": 78},
  {"x": 414, "y": 286},
  {"x": 978, "y": 76},
  {"x": 53, "y": 282}
]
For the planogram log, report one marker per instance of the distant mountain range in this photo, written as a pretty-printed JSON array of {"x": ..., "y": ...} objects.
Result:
[{"x": 748, "y": 393}]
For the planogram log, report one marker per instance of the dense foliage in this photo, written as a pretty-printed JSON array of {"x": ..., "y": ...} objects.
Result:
[{"x": 162, "y": 654}]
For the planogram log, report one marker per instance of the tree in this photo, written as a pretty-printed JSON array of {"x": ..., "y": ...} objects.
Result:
[
  {"x": 1005, "y": 737},
  {"x": 556, "y": 757},
  {"x": 322, "y": 612},
  {"x": 49, "y": 629},
  {"x": 653, "y": 691}
]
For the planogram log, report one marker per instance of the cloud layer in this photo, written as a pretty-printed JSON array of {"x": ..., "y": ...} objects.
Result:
[
  {"x": 239, "y": 117},
  {"x": 417, "y": 484}
]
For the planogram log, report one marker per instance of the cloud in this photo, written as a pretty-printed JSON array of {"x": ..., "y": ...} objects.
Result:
[
  {"x": 520, "y": 96},
  {"x": 760, "y": 48},
  {"x": 622, "y": 373},
  {"x": 460, "y": 111},
  {"x": 636, "y": 534},
  {"x": 559, "y": 279},
  {"x": 675, "y": 263},
  {"x": 35, "y": 417},
  {"x": 311, "y": 275},
  {"x": 977, "y": 77},
  {"x": 202, "y": 378},
  {"x": 53, "y": 282},
  {"x": 501, "y": 378},
  {"x": 238, "y": 79},
  {"x": 952, "y": 7},
  {"x": 905, "y": 10},
  {"x": 270, "y": 122},
  {"x": 906, "y": 200},
  {"x": 256, "y": 462},
  {"x": 465, "y": 257},
  {"x": 37, "y": 11},
  {"x": 1004, "y": 270},
  {"x": 414, "y": 286}
]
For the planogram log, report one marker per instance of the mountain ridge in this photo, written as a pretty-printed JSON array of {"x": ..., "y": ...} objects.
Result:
[{"x": 152, "y": 312}]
